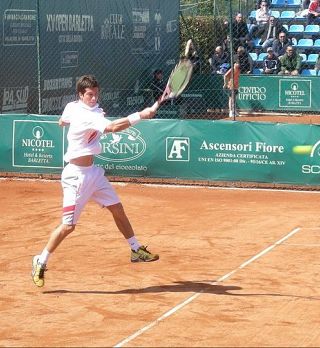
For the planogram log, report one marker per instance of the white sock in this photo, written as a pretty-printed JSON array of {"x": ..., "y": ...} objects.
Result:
[
  {"x": 44, "y": 256},
  {"x": 134, "y": 244}
]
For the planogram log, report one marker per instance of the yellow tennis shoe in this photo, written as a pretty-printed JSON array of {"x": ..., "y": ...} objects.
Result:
[
  {"x": 38, "y": 270},
  {"x": 143, "y": 255}
]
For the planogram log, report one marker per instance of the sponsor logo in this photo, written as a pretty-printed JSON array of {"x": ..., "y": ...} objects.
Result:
[
  {"x": 314, "y": 168},
  {"x": 122, "y": 146},
  {"x": 178, "y": 149},
  {"x": 15, "y": 99},
  {"x": 113, "y": 27}
]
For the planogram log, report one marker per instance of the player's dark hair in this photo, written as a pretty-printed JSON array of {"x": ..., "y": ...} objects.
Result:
[{"x": 86, "y": 81}]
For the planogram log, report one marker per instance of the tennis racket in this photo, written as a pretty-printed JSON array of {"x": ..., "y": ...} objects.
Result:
[{"x": 177, "y": 82}]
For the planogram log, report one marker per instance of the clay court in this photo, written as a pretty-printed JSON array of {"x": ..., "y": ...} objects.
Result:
[{"x": 237, "y": 268}]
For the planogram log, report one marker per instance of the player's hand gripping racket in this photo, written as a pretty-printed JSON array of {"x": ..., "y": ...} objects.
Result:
[{"x": 177, "y": 82}]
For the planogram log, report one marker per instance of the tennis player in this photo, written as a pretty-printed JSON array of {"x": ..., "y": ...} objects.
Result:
[{"x": 81, "y": 180}]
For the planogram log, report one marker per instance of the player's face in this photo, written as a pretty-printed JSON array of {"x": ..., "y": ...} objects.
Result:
[{"x": 90, "y": 96}]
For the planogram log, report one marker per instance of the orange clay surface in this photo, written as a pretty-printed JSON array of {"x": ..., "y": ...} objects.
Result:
[{"x": 237, "y": 268}]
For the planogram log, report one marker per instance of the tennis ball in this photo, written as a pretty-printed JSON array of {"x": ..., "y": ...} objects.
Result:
[{"x": 302, "y": 149}]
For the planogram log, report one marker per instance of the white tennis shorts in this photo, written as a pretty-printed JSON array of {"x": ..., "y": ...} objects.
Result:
[{"x": 80, "y": 184}]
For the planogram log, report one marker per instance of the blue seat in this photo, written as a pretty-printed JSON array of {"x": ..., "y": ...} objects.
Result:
[
  {"x": 275, "y": 13},
  {"x": 295, "y": 29},
  {"x": 257, "y": 71},
  {"x": 287, "y": 15},
  {"x": 304, "y": 57},
  {"x": 293, "y": 3},
  {"x": 308, "y": 72},
  {"x": 286, "y": 26},
  {"x": 256, "y": 42},
  {"x": 316, "y": 44},
  {"x": 252, "y": 16},
  {"x": 261, "y": 56},
  {"x": 304, "y": 43},
  {"x": 312, "y": 29},
  {"x": 253, "y": 55},
  {"x": 278, "y": 3},
  {"x": 312, "y": 58}
]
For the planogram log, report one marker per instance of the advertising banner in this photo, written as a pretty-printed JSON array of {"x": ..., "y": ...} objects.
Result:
[{"x": 180, "y": 149}]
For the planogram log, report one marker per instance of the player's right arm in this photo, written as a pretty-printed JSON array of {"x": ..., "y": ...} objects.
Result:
[{"x": 125, "y": 122}]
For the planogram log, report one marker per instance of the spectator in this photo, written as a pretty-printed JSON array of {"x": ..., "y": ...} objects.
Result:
[
  {"x": 270, "y": 31},
  {"x": 157, "y": 85},
  {"x": 240, "y": 33},
  {"x": 314, "y": 12},
  {"x": 271, "y": 63},
  {"x": 280, "y": 45},
  {"x": 258, "y": 4},
  {"x": 220, "y": 61},
  {"x": 262, "y": 17},
  {"x": 305, "y": 4},
  {"x": 290, "y": 62},
  {"x": 244, "y": 60},
  {"x": 230, "y": 84},
  {"x": 317, "y": 65}
]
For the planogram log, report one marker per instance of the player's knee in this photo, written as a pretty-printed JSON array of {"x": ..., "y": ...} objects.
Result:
[
  {"x": 116, "y": 209},
  {"x": 67, "y": 229}
]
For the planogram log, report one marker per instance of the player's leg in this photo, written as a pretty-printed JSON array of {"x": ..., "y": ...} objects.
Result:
[
  {"x": 106, "y": 196},
  {"x": 76, "y": 193}
]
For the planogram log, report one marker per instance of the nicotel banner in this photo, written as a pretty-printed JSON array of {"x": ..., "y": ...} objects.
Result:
[
  {"x": 279, "y": 93},
  {"x": 191, "y": 150}
]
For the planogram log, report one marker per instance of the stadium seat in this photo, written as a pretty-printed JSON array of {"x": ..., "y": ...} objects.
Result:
[
  {"x": 253, "y": 55},
  {"x": 287, "y": 15},
  {"x": 296, "y": 29},
  {"x": 257, "y": 71},
  {"x": 316, "y": 44},
  {"x": 252, "y": 16},
  {"x": 293, "y": 3},
  {"x": 256, "y": 42},
  {"x": 304, "y": 57},
  {"x": 261, "y": 56},
  {"x": 286, "y": 26},
  {"x": 278, "y": 3},
  {"x": 312, "y": 29},
  {"x": 294, "y": 41},
  {"x": 308, "y": 72},
  {"x": 304, "y": 43},
  {"x": 275, "y": 13},
  {"x": 312, "y": 58}
]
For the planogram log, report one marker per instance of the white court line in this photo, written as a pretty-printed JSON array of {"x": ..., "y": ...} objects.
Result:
[{"x": 197, "y": 294}]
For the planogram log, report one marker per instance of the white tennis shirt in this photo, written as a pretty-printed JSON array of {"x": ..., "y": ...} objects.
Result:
[{"x": 86, "y": 126}]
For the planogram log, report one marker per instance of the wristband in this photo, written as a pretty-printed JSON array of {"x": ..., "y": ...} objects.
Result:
[{"x": 134, "y": 118}]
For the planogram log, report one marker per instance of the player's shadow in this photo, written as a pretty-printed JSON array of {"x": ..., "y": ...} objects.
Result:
[
  {"x": 179, "y": 286},
  {"x": 206, "y": 287}
]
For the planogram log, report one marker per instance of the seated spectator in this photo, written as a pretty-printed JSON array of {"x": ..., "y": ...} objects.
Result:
[
  {"x": 240, "y": 33},
  {"x": 220, "y": 61},
  {"x": 290, "y": 62},
  {"x": 270, "y": 32},
  {"x": 157, "y": 85},
  {"x": 271, "y": 63},
  {"x": 317, "y": 65},
  {"x": 305, "y": 4},
  {"x": 244, "y": 60},
  {"x": 258, "y": 4},
  {"x": 262, "y": 17},
  {"x": 280, "y": 45},
  {"x": 314, "y": 12}
]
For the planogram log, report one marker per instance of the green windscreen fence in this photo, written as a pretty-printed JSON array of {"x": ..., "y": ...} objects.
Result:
[
  {"x": 47, "y": 45},
  {"x": 173, "y": 149}
]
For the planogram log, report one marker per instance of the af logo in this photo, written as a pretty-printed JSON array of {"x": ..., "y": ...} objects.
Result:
[{"x": 178, "y": 149}]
